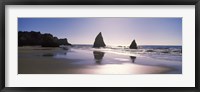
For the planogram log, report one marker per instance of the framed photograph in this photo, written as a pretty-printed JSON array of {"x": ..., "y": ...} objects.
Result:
[{"x": 70, "y": 45}]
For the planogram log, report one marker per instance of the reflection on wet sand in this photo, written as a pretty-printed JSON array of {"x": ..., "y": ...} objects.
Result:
[
  {"x": 98, "y": 56},
  {"x": 80, "y": 61},
  {"x": 133, "y": 58},
  {"x": 53, "y": 54}
]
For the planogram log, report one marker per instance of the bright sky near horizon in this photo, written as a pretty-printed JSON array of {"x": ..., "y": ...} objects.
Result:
[{"x": 115, "y": 31}]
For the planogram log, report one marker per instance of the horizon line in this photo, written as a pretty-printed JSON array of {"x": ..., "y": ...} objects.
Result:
[{"x": 128, "y": 45}]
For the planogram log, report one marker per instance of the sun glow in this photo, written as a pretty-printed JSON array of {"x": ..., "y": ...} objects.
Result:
[{"x": 129, "y": 69}]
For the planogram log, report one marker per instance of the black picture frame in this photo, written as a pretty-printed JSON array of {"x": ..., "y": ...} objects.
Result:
[{"x": 98, "y": 2}]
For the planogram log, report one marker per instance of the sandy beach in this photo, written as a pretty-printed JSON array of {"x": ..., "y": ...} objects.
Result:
[{"x": 43, "y": 60}]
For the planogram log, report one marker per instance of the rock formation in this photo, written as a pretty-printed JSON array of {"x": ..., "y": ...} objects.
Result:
[
  {"x": 99, "y": 41},
  {"x": 48, "y": 40},
  {"x": 33, "y": 38},
  {"x": 63, "y": 41},
  {"x": 133, "y": 45}
]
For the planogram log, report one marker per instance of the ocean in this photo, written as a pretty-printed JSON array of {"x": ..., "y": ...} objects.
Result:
[{"x": 172, "y": 53}]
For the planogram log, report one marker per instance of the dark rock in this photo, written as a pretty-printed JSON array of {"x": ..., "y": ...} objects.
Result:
[
  {"x": 49, "y": 41},
  {"x": 33, "y": 38},
  {"x": 150, "y": 51},
  {"x": 29, "y": 38},
  {"x": 133, "y": 45},
  {"x": 99, "y": 41},
  {"x": 63, "y": 42}
]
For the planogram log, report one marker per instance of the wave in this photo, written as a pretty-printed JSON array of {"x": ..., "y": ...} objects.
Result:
[{"x": 160, "y": 52}]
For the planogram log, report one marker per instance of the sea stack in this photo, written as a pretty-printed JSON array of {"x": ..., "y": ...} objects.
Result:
[
  {"x": 133, "y": 45},
  {"x": 99, "y": 41}
]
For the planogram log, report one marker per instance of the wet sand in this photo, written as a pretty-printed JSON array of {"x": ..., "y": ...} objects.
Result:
[{"x": 40, "y": 60}]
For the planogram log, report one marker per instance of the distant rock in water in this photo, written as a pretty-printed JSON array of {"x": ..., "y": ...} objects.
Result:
[
  {"x": 133, "y": 45},
  {"x": 99, "y": 41}
]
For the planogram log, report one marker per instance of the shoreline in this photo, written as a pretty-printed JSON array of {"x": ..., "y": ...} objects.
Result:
[{"x": 42, "y": 60}]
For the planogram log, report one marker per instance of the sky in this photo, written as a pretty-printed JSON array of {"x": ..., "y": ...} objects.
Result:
[{"x": 119, "y": 31}]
